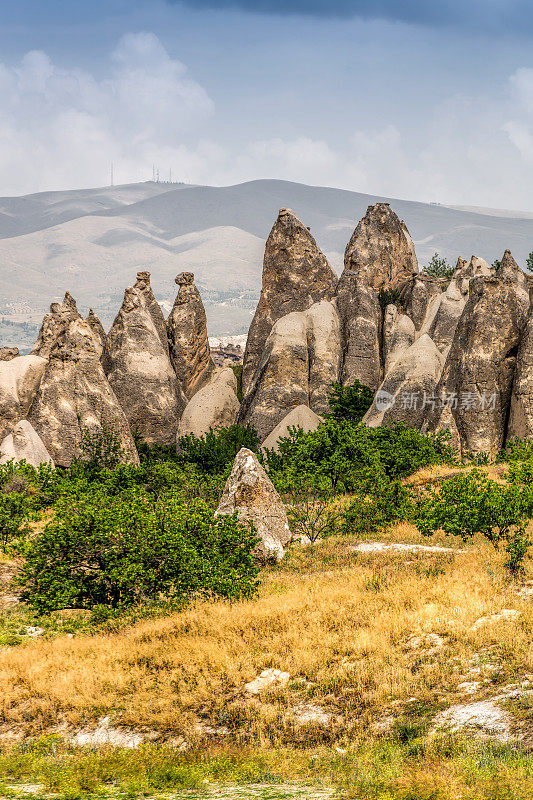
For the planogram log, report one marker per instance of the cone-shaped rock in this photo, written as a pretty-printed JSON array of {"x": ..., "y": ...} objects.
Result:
[
  {"x": 474, "y": 392},
  {"x": 360, "y": 317},
  {"x": 250, "y": 493},
  {"x": 54, "y": 325},
  {"x": 140, "y": 373},
  {"x": 281, "y": 381},
  {"x": 144, "y": 287},
  {"x": 408, "y": 391},
  {"x": 381, "y": 252},
  {"x": 300, "y": 417},
  {"x": 213, "y": 406},
  {"x": 24, "y": 444},
  {"x": 19, "y": 381},
  {"x": 325, "y": 353},
  {"x": 300, "y": 361},
  {"x": 97, "y": 328},
  {"x": 296, "y": 274},
  {"x": 417, "y": 295},
  {"x": 74, "y": 394},
  {"x": 187, "y": 337}
]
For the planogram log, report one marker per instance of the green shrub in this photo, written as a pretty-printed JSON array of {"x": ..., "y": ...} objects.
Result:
[
  {"x": 100, "y": 449},
  {"x": 309, "y": 509},
  {"x": 214, "y": 452},
  {"x": 129, "y": 549},
  {"x": 388, "y": 297},
  {"x": 378, "y": 503},
  {"x": 343, "y": 453},
  {"x": 438, "y": 267},
  {"x": 471, "y": 504},
  {"x": 517, "y": 450},
  {"x": 14, "y": 516},
  {"x": 350, "y": 402}
]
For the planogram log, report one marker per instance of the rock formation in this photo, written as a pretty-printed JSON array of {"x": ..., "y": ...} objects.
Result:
[
  {"x": 360, "y": 315},
  {"x": 139, "y": 370},
  {"x": 521, "y": 415},
  {"x": 281, "y": 381},
  {"x": 74, "y": 394},
  {"x": 474, "y": 392},
  {"x": 300, "y": 361},
  {"x": 187, "y": 336},
  {"x": 98, "y": 329},
  {"x": 8, "y": 353},
  {"x": 381, "y": 252},
  {"x": 300, "y": 417},
  {"x": 417, "y": 295},
  {"x": 19, "y": 381},
  {"x": 296, "y": 274},
  {"x": 250, "y": 493},
  {"x": 143, "y": 286},
  {"x": 324, "y": 353},
  {"x": 398, "y": 335},
  {"x": 24, "y": 444},
  {"x": 215, "y": 405},
  {"x": 54, "y": 325},
  {"x": 408, "y": 392}
]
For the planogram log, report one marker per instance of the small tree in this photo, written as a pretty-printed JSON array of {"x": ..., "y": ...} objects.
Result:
[
  {"x": 472, "y": 503},
  {"x": 349, "y": 402},
  {"x": 495, "y": 265},
  {"x": 438, "y": 267},
  {"x": 529, "y": 262}
]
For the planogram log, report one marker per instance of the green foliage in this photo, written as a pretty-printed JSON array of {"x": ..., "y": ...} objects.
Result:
[
  {"x": 388, "y": 297},
  {"x": 346, "y": 453},
  {"x": 100, "y": 449},
  {"x": 471, "y": 504},
  {"x": 438, "y": 268},
  {"x": 529, "y": 262},
  {"x": 496, "y": 265},
  {"x": 517, "y": 450},
  {"x": 237, "y": 369},
  {"x": 309, "y": 510},
  {"x": 349, "y": 402},
  {"x": 122, "y": 550},
  {"x": 378, "y": 503},
  {"x": 214, "y": 452}
]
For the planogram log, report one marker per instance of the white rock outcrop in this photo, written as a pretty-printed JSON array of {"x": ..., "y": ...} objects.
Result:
[
  {"x": 300, "y": 417},
  {"x": 24, "y": 444},
  {"x": 214, "y": 406}
]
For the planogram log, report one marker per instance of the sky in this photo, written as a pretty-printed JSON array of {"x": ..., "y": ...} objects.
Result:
[{"x": 414, "y": 99}]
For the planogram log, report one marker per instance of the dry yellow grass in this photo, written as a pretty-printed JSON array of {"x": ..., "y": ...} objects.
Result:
[{"x": 343, "y": 631}]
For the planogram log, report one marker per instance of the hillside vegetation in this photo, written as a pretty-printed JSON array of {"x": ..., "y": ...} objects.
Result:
[{"x": 145, "y": 615}]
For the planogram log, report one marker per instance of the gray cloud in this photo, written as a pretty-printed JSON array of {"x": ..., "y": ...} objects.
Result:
[{"x": 496, "y": 15}]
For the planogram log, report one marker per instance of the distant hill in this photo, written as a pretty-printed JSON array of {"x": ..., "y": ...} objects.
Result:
[{"x": 93, "y": 241}]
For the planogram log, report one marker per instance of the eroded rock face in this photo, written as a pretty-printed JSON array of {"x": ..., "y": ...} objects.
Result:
[
  {"x": 416, "y": 297},
  {"x": 213, "y": 406},
  {"x": 360, "y": 318},
  {"x": 19, "y": 381},
  {"x": 187, "y": 336},
  {"x": 325, "y": 353},
  {"x": 8, "y": 353},
  {"x": 143, "y": 286},
  {"x": 477, "y": 378},
  {"x": 381, "y": 252},
  {"x": 408, "y": 391},
  {"x": 281, "y": 381},
  {"x": 24, "y": 444},
  {"x": 296, "y": 274},
  {"x": 98, "y": 329},
  {"x": 74, "y": 394},
  {"x": 250, "y": 493},
  {"x": 398, "y": 335},
  {"x": 300, "y": 361},
  {"x": 444, "y": 311},
  {"x": 521, "y": 417},
  {"x": 140, "y": 373},
  {"x": 300, "y": 417},
  {"x": 55, "y": 324}
]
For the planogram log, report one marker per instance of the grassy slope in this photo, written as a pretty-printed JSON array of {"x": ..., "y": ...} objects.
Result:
[{"x": 339, "y": 622}]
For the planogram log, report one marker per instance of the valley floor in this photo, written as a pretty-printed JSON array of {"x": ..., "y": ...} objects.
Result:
[{"x": 375, "y": 647}]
